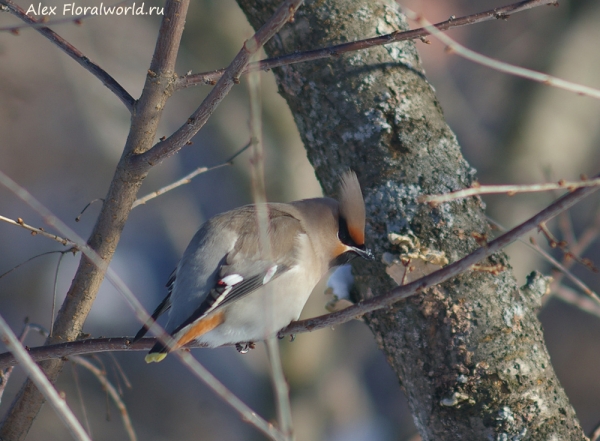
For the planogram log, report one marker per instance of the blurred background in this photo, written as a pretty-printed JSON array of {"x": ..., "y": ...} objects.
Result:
[{"x": 62, "y": 132}]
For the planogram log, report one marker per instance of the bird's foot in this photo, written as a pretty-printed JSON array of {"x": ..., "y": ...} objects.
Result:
[
  {"x": 243, "y": 348},
  {"x": 282, "y": 336}
]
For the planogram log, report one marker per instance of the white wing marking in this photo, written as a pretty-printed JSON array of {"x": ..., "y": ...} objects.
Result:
[
  {"x": 269, "y": 275},
  {"x": 232, "y": 279}
]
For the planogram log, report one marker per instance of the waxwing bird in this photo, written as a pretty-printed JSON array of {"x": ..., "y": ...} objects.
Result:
[{"x": 225, "y": 291}]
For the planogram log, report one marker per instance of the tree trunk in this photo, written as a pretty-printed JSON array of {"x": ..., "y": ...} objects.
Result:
[{"x": 469, "y": 354}]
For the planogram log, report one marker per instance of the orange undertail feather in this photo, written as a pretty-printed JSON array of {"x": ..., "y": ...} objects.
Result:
[
  {"x": 196, "y": 330},
  {"x": 200, "y": 328}
]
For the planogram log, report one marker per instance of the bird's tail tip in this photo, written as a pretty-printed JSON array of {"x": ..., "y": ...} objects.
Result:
[{"x": 155, "y": 357}]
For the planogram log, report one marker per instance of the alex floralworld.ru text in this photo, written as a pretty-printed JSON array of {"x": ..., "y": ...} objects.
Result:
[{"x": 73, "y": 9}]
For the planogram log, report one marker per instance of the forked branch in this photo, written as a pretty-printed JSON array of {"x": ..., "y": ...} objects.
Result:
[{"x": 230, "y": 77}]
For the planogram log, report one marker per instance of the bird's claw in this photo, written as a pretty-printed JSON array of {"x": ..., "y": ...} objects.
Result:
[{"x": 243, "y": 348}]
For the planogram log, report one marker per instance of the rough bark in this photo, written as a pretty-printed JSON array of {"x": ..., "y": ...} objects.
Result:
[{"x": 469, "y": 354}]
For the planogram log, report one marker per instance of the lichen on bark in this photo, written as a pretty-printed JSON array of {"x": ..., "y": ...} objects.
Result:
[{"x": 469, "y": 354}]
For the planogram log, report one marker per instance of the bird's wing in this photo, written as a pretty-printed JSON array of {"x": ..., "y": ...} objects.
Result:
[
  {"x": 163, "y": 307},
  {"x": 244, "y": 269}
]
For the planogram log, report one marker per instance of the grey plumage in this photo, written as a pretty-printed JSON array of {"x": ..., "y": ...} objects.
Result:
[{"x": 224, "y": 291}]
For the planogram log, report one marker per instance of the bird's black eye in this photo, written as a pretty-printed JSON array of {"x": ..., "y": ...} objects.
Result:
[{"x": 344, "y": 234}]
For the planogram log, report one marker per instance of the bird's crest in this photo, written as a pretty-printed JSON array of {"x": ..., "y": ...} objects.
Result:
[{"x": 352, "y": 206}]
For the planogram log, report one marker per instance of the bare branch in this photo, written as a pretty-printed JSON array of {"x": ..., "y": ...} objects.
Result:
[
  {"x": 578, "y": 282},
  {"x": 563, "y": 269},
  {"x": 110, "y": 389},
  {"x": 509, "y": 189},
  {"x": 573, "y": 298},
  {"x": 75, "y": 54},
  {"x": 54, "y": 289},
  {"x": 84, "y": 415},
  {"x": 187, "y": 178},
  {"x": 6, "y": 373},
  {"x": 196, "y": 121},
  {"x": 79, "y": 347},
  {"x": 43, "y": 384},
  {"x": 87, "y": 346},
  {"x": 248, "y": 414},
  {"x": 211, "y": 78},
  {"x": 564, "y": 247},
  {"x": 454, "y": 47},
  {"x": 89, "y": 204},
  {"x": 34, "y": 231},
  {"x": 589, "y": 236},
  {"x": 29, "y": 260}
]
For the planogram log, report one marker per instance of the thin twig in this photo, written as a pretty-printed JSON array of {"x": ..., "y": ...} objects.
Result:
[
  {"x": 564, "y": 247},
  {"x": 552, "y": 240},
  {"x": 578, "y": 282},
  {"x": 43, "y": 384},
  {"x": 187, "y": 178},
  {"x": 211, "y": 78},
  {"x": 27, "y": 261},
  {"x": 590, "y": 234},
  {"x": 201, "y": 372},
  {"x": 81, "y": 402},
  {"x": 282, "y": 392},
  {"x": 6, "y": 373},
  {"x": 565, "y": 223},
  {"x": 196, "y": 121},
  {"x": 563, "y": 269},
  {"x": 119, "y": 371},
  {"x": 336, "y": 318},
  {"x": 454, "y": 47},
  {"x": 52, "y": 312},
  {"x": 110, "y": 389},
  {"x": 35, "y": 231},
  {"x": 78, "y": 218},
  {"x": 75, "y": 54},
  {"x": 573, "y": 298},
  {"x": 509, "y": 189}
]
